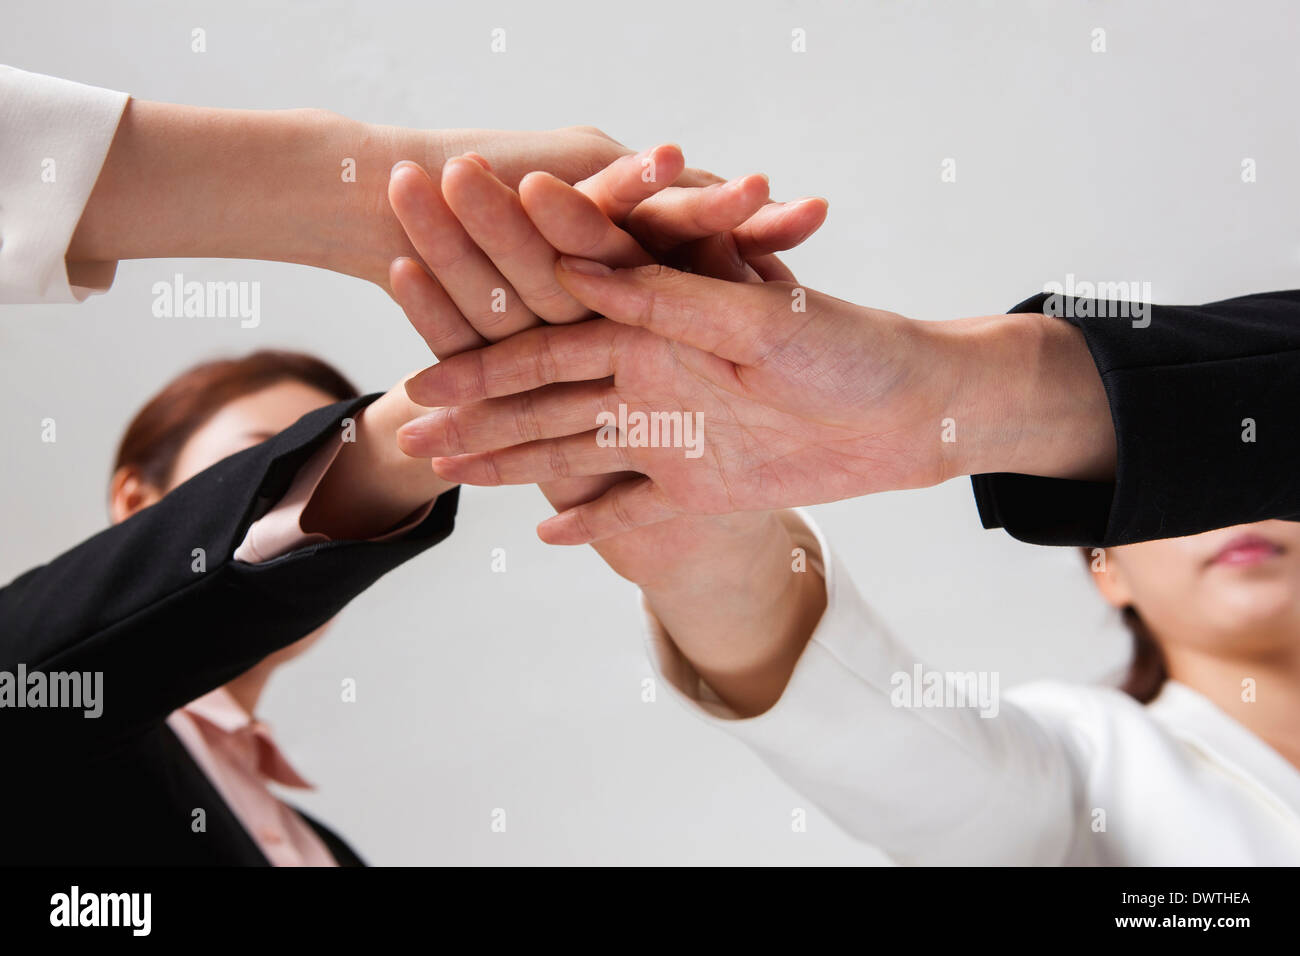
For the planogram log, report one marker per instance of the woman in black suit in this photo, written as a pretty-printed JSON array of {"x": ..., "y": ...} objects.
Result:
[{"x": 252, "y": 499}]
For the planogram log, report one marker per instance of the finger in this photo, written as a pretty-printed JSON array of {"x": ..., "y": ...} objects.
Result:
[
  {"x": 555, "y": 411},
  {"x": 575, "y": 456},
  {"x": 679, "y": 215},
  {"x": 718, "y": 257},
  {"x": 623, "y": 184},
  {"x": 771, "y": 269},
  {"x": 523, "y": 362},
  {"x": 698, "y": 177},
  {"x": 777, "y": 227},
  {"x": 628, "y": 505},
  {"x": 494, "y": 218},
  {"x": 571, "y": 221},
  {"x": 430, "y": 310},
  {"x": 466, "y": 274},
  {"x": 738, "y": 321}
]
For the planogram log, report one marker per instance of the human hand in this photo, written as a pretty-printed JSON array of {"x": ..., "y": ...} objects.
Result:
[
  {"x": 722, "y": 585},
  {"x": 494, "y": 248},
  {"x": 807, "y": 399}
]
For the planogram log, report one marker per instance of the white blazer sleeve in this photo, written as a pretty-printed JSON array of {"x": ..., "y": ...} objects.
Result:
[
  {"x": 54, "y": 136},
  {"x": 927, "y": 785}
]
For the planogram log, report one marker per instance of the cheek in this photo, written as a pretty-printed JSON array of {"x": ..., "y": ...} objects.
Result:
[{"x": 1163, "y": 582}]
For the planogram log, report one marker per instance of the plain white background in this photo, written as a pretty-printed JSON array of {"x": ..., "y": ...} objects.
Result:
[{"x": 522, "y": 690}]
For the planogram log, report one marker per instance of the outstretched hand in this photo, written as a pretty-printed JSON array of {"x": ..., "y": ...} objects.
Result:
[{"x": 798, "y": 398}]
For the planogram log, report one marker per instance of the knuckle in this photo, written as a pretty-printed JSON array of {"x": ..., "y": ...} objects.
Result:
[
  {"x": 451, "y": 430},
  {"x": 528, "y": 422},
  {"x": 582, "y": 522},
  {"x": 476, "y": 379},
  {"x": 546, "y": 364},
  {"x": 619, "y": 511},
  {"x": 655, "y": 271},
  {"x": 558, "y": 461}
]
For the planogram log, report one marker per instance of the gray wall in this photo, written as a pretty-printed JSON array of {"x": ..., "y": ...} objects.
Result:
[{"x": 522, "y": 690}]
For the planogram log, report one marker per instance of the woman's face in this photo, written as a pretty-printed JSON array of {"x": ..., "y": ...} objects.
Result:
[{"x": 1235, "y": 589}]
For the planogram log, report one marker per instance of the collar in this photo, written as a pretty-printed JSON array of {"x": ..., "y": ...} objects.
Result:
[
  {"x": 1195, "y": 719},
  {"x": 218, "y": 714}
]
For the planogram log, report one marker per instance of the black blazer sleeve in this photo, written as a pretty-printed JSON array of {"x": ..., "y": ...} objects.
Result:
[
  {"x": 1203, "y": 400},
  {"x": 129, "y": 603}
]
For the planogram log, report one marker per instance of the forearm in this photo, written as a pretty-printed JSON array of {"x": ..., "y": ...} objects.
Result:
[
  {"x": 186, "y": 181},
  {"x": 371, "y": 487},
  {"x": 305, "y": 186},
  {"x": 740, "y": 606}
]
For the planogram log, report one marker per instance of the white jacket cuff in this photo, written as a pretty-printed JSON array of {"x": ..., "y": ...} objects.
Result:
[{"x": 54, "y": 136}]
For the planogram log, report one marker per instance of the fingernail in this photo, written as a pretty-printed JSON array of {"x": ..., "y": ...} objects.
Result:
[
  {"x": 399, "y": 164},
  {"x": 584, "y": 266},
  {"x": 416, "y": 386}
]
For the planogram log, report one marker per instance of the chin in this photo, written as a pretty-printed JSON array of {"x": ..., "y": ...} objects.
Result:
[{"x": 1262, "y": 606}]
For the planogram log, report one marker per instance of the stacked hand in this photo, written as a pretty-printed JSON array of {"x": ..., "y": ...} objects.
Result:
[
  {"x": 804, "y": 398},
  {"x": 492, "y": 253}
]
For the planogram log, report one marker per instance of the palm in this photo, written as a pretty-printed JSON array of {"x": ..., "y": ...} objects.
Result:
[{"x": 754, "y": 455}]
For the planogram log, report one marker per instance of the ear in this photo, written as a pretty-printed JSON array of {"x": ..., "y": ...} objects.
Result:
[
  {"x": 1108, "y": 575},
  {"x": 129, "y": 493}
]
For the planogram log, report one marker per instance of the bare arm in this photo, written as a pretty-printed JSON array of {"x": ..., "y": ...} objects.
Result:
[{"x": 305, "y": 186}]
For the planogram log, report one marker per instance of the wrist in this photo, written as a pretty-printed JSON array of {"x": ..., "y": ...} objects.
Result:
[
  {"x": 1024, "y": 396},
  {"x": 741, "y": 609},
  {"x": 711, "y": 550},
  {"x": 371, "y": 486},
  {"x": 355, "y": 230}
]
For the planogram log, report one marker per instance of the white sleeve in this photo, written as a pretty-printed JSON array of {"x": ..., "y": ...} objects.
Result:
[
  {"x": 925, "y": 784},
  {"x": 54, "y": 136}
]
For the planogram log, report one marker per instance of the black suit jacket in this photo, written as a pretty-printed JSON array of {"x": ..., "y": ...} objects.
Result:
[
  {"x": 121, "y": 788},
  {"x": 1186, "y": 391}
]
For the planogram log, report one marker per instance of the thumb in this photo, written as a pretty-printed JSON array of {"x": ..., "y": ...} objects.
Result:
[
  {"x": 737, "y": 321},
  {"x": 628, "y": 505}
]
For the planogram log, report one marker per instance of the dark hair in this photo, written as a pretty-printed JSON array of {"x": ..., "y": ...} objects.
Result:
[
  {"x": 1147, "y": 671},
  {"x": 155, "y": 437}
]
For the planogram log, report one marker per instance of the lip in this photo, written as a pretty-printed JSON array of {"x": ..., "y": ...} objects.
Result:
[{"x": 1246, "y": 550}]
